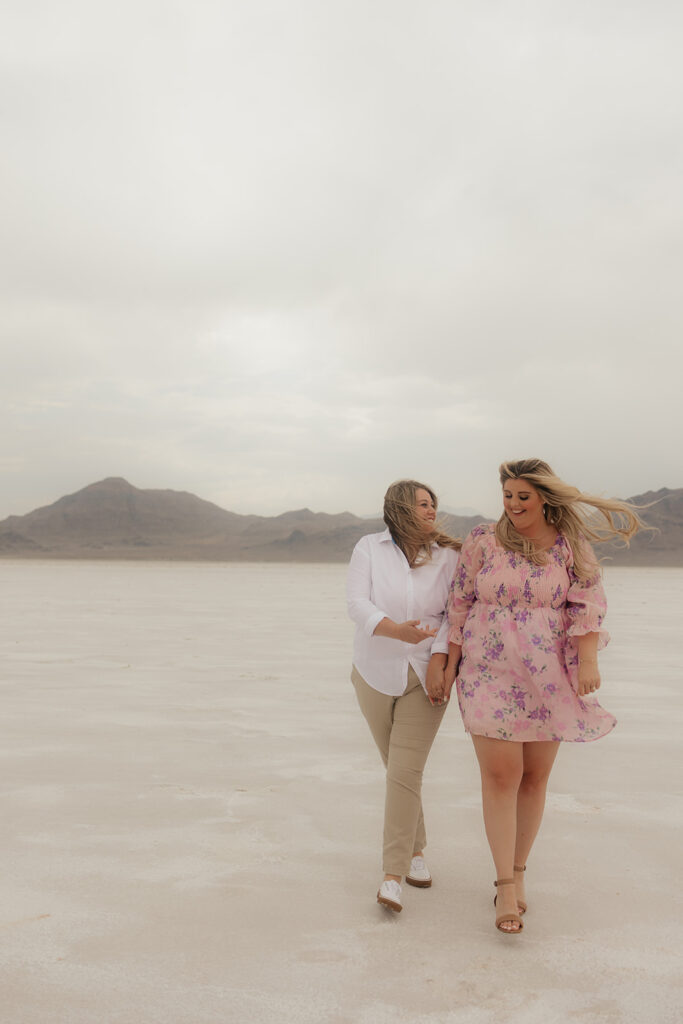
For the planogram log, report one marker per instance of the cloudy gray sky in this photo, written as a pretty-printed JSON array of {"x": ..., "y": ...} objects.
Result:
[{"x": 282, "y": 252}]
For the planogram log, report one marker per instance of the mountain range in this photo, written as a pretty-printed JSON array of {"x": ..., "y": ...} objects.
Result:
[{"x": 112, "y": 519}]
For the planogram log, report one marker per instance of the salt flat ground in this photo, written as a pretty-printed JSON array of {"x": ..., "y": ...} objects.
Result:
[{"x": 191, "y": 817}]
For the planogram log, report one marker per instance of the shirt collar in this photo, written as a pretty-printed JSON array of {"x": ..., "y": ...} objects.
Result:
[{"x": 385, "y": 537}]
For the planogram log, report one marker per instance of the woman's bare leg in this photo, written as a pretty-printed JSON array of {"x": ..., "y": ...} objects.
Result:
[
  {"x": 501, "y": 765},
  {"x": 538, "y": 760}
]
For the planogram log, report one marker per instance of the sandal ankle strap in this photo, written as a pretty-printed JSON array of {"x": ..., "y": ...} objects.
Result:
[
  {"x": 504, "y": 881},
  {"x": 517, "y": 867}
]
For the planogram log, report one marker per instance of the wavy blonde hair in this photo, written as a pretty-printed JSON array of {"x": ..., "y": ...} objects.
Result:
[
  {"x": 577, "y": 516},
  {"x": 407, "y": 529}
]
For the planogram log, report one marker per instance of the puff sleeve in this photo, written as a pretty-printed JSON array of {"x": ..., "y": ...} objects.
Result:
[
  {"x": 586, "y": 602},
  {"x": 462, "y": 593}
]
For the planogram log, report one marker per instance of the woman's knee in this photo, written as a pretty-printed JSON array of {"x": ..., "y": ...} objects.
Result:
[
  {"x": 500, "y": 762},
  {"x": 534, "y": 780},
  {"x": 538, "y": 764},
  {"x": 407, "y": 777},
  {"x": 501, "y": 776}
]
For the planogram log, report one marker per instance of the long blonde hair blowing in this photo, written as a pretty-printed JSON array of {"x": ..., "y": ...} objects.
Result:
[
  {"x": 407, "y": 529},
  {"x": 577, "y": 516}
]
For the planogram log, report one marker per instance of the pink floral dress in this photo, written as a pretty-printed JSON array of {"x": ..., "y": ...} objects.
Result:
[{"x": 517, "y": 623}]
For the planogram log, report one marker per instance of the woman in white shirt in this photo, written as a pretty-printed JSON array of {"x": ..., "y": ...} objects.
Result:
[{"x": 397, "y": 589}]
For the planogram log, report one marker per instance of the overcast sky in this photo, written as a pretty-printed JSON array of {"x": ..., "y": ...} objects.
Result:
[{"x": 282, "y": 252}]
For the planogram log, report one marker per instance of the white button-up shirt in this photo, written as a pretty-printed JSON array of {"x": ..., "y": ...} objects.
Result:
[{"x": 381, "y": 584}]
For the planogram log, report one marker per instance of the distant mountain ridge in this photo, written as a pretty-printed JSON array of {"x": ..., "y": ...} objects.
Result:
[{"x": 111, "y": 519}]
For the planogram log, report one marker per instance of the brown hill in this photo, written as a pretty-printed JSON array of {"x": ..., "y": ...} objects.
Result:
[
  {"x": 112, "y": 519},
  {"x": 111, "y": 515}
]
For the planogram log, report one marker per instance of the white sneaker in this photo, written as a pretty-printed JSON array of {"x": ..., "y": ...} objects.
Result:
[
  {"x": 389, "y": 895},
  {"x": 419, "y": 874}
]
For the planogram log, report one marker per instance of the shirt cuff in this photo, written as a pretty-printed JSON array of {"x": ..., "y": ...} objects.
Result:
[{"x": 373, "y": 622}]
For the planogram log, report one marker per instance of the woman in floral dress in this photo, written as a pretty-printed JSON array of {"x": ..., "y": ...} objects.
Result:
[{"x": 525, "y": 613}]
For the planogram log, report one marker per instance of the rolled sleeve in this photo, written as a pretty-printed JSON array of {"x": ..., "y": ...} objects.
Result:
[
  {"x": 362, "y": 611},
  {"x": 440, "y": 641}
]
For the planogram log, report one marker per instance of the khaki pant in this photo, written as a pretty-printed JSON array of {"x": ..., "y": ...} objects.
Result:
[{"x": 404, "y": 729}]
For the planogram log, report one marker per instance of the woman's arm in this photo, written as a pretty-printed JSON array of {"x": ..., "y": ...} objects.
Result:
[
  {"x": 462, "y": 593},
  {"x": 589, "y": 674},
  {"x": 410, "y": 632},
  {"x": 461, "y": 598},
  {"x": 586, "y": 607},
  {"x": 441, "y": 673},
  {"x": 362, "y": 610},
  {"x": 365, "y": 613},
  {"x": 434, "y": 683},
  {"x": 454, "y": 652}
]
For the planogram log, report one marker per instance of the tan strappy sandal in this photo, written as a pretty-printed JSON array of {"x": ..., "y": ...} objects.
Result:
[
  {"x": 521, "y": 905},
  {"x": 509, "y": 916}
]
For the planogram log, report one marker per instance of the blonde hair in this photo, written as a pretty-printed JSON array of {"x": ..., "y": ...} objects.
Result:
[
  {"x": 577, "y": 516},
  {"x": 407, "y": 529}
]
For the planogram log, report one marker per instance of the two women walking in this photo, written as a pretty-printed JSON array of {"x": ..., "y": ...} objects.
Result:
[{"x": 515, "y": 623}]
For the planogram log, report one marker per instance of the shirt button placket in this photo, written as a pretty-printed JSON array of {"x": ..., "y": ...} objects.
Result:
[{"x": 410, "y": 596}]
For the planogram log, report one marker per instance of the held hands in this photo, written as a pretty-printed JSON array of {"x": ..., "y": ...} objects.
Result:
[
  {"x": 441, "y": 673},
  {"x": 589, "y": 677},
  {"x": 434, "y": 683},
  {"x": 449, "y": 676}
]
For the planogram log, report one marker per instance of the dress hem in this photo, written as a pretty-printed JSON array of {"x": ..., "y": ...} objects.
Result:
[{"x": 536, "y": 739}]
